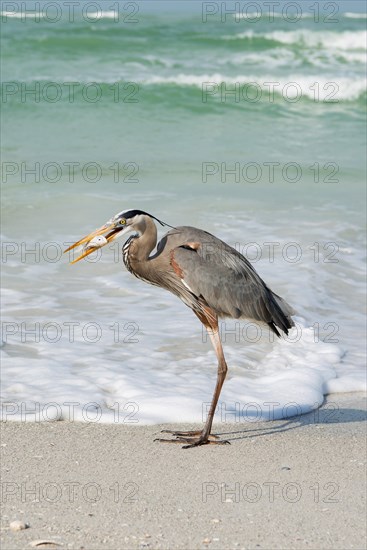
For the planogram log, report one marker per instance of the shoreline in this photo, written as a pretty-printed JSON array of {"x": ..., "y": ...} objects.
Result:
[{"x": 295, "y": 483}]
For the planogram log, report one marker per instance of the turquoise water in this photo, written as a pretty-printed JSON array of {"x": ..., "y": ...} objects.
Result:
[{"x": 250, "y": 128}]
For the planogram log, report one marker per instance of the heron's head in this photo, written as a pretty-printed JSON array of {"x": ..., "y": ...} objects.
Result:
[{"x": 118, "y": 226}]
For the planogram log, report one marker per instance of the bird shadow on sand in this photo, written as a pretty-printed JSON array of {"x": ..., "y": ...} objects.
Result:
[{"x": 326, "y": 415}]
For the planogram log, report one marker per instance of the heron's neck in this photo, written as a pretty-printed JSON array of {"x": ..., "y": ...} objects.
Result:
[{"x": 142, "y": 246}]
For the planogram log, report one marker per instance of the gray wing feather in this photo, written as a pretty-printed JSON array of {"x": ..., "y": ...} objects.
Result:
[{"x": 227, "y": 281}]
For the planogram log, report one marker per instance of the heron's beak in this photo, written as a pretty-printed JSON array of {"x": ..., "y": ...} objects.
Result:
[{"x": 107, "y": 232}]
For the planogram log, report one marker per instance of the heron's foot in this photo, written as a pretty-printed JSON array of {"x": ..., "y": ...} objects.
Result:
[
  {"x": 193, "y": 439},
  {"x": 188, "y": 434}
]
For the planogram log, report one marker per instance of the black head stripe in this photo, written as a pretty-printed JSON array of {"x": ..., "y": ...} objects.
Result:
[{"x": 132, "y": 213}]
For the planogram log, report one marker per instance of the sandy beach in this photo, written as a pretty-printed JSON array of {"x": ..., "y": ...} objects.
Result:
[{"x": 296, "y": 483}]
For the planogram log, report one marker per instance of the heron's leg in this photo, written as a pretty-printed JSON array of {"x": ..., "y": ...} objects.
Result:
[{"x": 204, "y": 437}]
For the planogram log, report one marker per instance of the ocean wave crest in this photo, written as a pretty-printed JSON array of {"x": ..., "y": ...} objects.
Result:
[
  {"x": 346, "y": 89},
  {"x": 347, "y": 40},
  {"x": 352, "y": 15},
  {"x": 265, "y": 14}
]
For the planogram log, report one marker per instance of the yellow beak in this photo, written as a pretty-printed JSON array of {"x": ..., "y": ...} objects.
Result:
[{"x": 88, "y": 249}]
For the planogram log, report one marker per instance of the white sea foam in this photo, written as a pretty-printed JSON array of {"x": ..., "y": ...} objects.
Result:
[
  {"x": 347, "y": 40},
  {"x": 284, "y": 57},
  {"x": 33, "y": 15},
  {"x": 352, "y": 15},
  {"x": 290, "y": 379},
  {"x": 296, "y": 86},
  {"x": 104, "y": 15},
  {"x": 278, "y": 15},
  {"x": 267, "y": 14},
  {"x": 168, "y": 374},
  {"x": 279, "y": 57},
  {"x": 254, "y": 15},
  {"x": 20, "y": 14}
]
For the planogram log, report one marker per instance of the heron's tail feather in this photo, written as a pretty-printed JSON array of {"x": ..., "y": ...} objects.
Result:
[
  {"x": 281, "y": 313},
  {"x": 284, "y": 306}
]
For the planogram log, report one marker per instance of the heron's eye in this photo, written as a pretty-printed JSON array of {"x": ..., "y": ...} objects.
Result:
[{"x": 123, "y": 221}]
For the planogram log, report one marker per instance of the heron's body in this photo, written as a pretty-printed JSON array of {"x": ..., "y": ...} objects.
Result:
[
  {"x": 200, "y": 268},
  {"x": 208, "y": 275}
]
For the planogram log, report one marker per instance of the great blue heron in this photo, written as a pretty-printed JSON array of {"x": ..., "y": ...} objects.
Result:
[{"x": 209, "y": 276}]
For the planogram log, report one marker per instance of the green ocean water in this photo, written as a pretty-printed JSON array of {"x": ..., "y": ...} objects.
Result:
[
  {"x": 254, "y": 129},
  {"x": 164, "y": 120}
]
